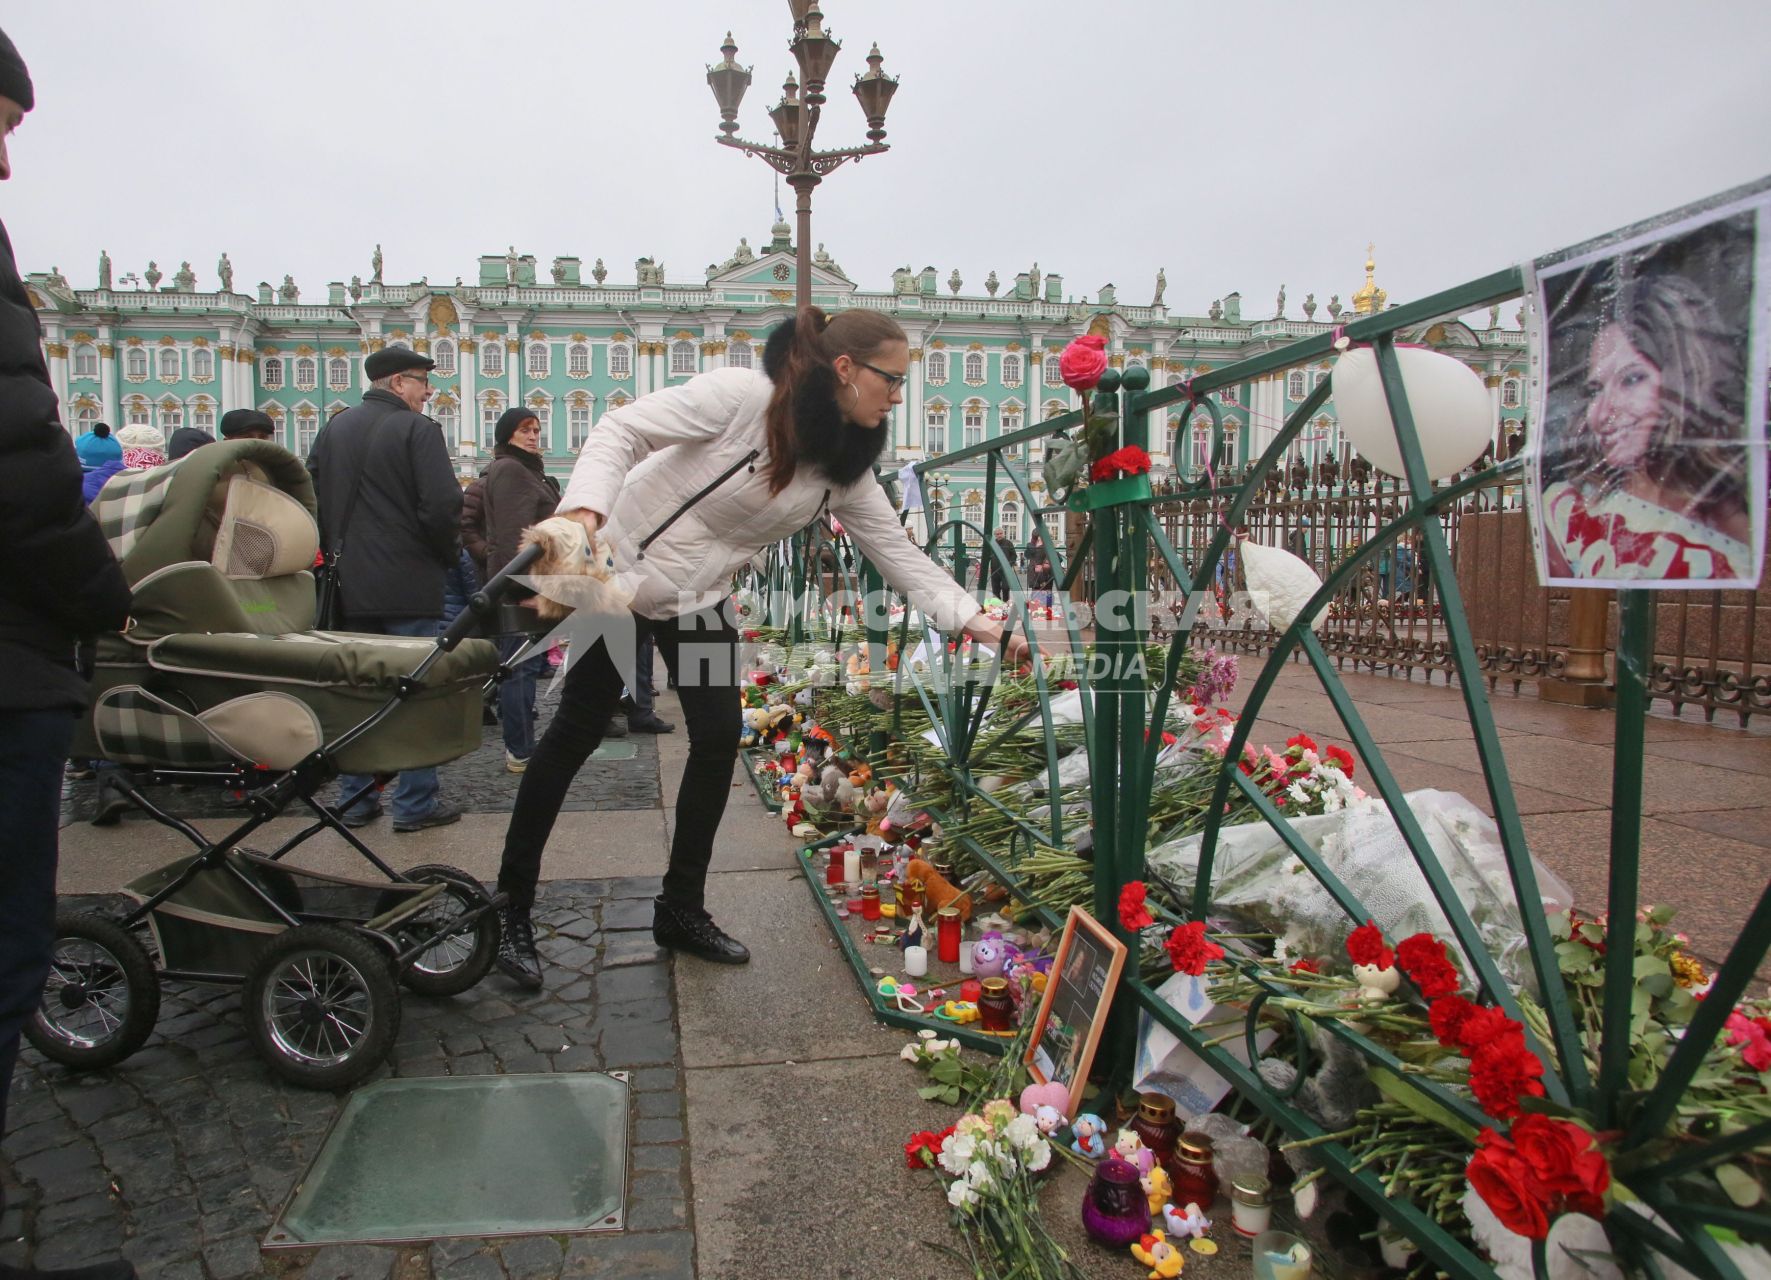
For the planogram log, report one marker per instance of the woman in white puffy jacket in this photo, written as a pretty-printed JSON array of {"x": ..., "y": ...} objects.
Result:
[{"x": 687, "y": 483}]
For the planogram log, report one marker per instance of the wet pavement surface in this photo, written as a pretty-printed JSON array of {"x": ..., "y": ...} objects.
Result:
[{"x": 180, "y": 1156}]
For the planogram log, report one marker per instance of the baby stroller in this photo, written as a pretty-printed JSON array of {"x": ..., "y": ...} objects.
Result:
[{"x": 218, "y": 680}]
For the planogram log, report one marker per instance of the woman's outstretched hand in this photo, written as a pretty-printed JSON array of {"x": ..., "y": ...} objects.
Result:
[{"x": 1018, "y": 653}]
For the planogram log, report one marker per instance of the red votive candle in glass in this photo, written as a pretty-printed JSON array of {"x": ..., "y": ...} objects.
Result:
[
  {"x": 870, "y": 902},
  {"x": 948, "y": 927},
  {"x": 833, "y": 872},
  {"x": 996, "y": 1008}
]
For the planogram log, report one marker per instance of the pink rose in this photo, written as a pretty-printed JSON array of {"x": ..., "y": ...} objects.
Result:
[{"x": 1083, "y": 362}]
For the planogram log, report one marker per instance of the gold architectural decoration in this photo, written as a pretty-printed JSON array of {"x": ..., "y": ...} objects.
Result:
[
  {"x": 106, "y": 351},
  {"x": 167, "y": 340},
  {"x": 468, "y": 344},
  {"x": 683, "y": 335},
  {"x": 336, "y": 351},
  {"x": 975, "y": 346},
  {"x": 1370, "y": 298},
  {"x": 199, "y": 341},
  {"x": 513, "y": 345},
  {"x": 305, "y": 350},
  {"x": 1491, "y": 381},
  {"x": 1138, "y": 351},
  {"x": 87, "y": 337},
  {"x": 421, "y": 345},
  {"x": 578, "y": 399},
  {"x": 376, "y": 344},
  {"x": 33, "y": 297},
  {"x": 619, "y": 337},
  {"x": 398, "y": 333},
  {"x": 443, "y": 315},
  {"x": 1116, "y": 360},
  {"x": 132, "y": 342},
  {"x": 580, "y": 337},
  {"x": 85, "y": 402},
  {"x": 225, "y": 351},
  {"x": 535, "y": 335},
  {"x": 169, "y": 404},
  {"x": 1013, "y": 346},
  {"x": 56, "y": 350},
  {"x": 1436, "y": 334},
  {"x": 916, "y": 355},
  {"x": 740, "y": 335},
  {"x": 537, "y": 398},
  {"x": 938, "y": 344}
]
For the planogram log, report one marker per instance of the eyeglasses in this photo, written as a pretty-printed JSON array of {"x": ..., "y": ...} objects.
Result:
[
  {"x": 419, "y": 378},
  {"x": 892, "y": 380}
]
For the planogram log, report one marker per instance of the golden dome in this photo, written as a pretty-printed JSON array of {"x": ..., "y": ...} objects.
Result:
[{"x": 1370, "y": 298}]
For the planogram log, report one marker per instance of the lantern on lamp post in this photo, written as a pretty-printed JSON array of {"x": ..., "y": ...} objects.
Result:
[{"x": 796, "y": 117}]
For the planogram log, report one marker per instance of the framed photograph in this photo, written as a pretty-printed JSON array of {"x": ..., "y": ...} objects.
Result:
[
  {"x": 1646, "y": 464},
  {"x": 1073, "y": 1013}
]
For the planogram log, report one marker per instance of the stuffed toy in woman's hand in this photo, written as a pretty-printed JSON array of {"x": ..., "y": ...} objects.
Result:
[{"x": 569, "y": 553}]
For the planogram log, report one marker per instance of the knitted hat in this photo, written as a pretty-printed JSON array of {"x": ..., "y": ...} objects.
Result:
[
  {"x": 15, "y": 81},
  {"x": 141, "y": 436},
  {"x": 186, "y": 439},
  {"x": 98, "y": 446},
  {"x": 510, "y": 421}
]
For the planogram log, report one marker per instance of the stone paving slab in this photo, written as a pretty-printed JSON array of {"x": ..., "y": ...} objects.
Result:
[{"x": 180, "y": 1156}]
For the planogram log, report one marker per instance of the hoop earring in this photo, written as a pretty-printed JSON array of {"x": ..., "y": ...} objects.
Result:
[{"x": 856, "y": 391}]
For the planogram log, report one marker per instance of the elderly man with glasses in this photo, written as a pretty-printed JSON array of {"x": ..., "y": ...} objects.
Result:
[{"x": 390, "y": 509}]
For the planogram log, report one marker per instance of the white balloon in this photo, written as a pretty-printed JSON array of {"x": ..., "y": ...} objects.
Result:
[
  {"x": 1279, "y": 585},
  {"x": 1452, "y": 414}
]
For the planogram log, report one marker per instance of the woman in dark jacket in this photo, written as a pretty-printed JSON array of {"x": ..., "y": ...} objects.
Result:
[{"x": 516, "y": 492}]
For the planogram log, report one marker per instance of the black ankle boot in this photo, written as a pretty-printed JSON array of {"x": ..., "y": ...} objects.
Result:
[
  {"x": 517, "y": 959},
  {"x": 692, "y": 930}
]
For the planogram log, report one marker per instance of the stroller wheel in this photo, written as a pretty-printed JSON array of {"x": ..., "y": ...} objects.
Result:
[
  {"x": 102, "y": 996},
  {"x": 459, "y": 961},
  {"x": 321, "y": 1006}
]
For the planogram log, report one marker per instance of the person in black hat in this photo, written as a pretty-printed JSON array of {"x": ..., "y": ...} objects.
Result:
[
  {"x": 247, "y": 424},
  {"x": 186, "y": 439},
  {"x": 389, "y": 513},
  {"x": 61, "y": 582}
]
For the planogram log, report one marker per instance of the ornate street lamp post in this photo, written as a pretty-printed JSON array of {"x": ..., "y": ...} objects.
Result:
[{"x": 796, "y": 118}]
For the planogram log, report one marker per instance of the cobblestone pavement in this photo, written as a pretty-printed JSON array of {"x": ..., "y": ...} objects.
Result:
[
  {"x": 623, "y": 774},
  {"x": 180, "y": 1156}
]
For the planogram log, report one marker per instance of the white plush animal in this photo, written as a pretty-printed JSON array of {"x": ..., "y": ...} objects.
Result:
[{"x": 569, "y": 554}]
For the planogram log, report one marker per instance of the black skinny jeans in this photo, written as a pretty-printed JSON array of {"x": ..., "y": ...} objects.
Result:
[{"x": 701, "y": 652}]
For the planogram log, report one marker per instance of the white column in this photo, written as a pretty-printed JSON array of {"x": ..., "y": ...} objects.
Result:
[
  {"x": 107, "y": 376},
  {"x": 1494, "y": 380},
  {"x": 54, "y": 341},
  {"x": 912, "y": 427},
  {"x": 513, "y": 362},
  {"x": 467, "y": 368}
]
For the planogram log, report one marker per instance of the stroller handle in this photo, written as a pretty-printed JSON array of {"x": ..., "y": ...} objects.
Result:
[{"x": 483, "y": 604}]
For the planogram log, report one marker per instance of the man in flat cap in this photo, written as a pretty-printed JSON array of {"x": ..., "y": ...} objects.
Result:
[
  {"x": 390, "y": 510},
  {"x": 60, "y": 581},
  {"x": 247, "y": 424}
]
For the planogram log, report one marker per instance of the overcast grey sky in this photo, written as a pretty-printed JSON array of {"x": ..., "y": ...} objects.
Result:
[{"x": 1240, "y": 145}]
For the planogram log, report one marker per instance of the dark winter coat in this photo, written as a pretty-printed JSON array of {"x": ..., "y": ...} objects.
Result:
[
  {"x": 403, "y": 532},
  {"x": 58, "y": 579},
  {"x": 517, "y": 494},
  {"x": 473, "y": 523}
]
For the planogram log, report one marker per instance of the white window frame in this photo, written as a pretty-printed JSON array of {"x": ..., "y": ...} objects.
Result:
[
  {"x": 975, "y": 366},
  {"x": 972, "y": 512},
  {"x": 620, "y": 360},
  {"x": 1295, "y": 385},
  {"x": 338, "y": 373},
  {"x": 579, "y": 415},
  {"x": 270, "y": 373},
  {"x": 306, "y": 429},
  {"x": 202, "y": 414},
  {"x": 578, "y": 360},
  {"x": 972, "y": 424},
  {"x": 307, "y": 373},
  {"x": 492, "y": 357},
  {"x": 84, "y": 417},
  {"x": 1509, "y": 393},
  {"x": 160, "y": 363},
  {"x": 1009, "y": 517},
  {"x": 1229, "y": 395},
  {"x": 137, "y": 412},
  {"x": 491, "y": 409},
  {"x": 1053, "y": 373},
  {"x": 1011, "y": 369},
  {"x": 135, "y": 364},
  {"x": 448, "y": 417},
  {"x": 1232, "y": 433},
  {"x": 538, "y": 359},
  {"x": 171, "y": 419},
  {"x": 443, "y": 351},
  {"x": 202, "y": 364},
  {"x": 934, "y": 429},
  {"x": 741, "y": 355},
  {"x": 682, "y": 359},
  {"x": 935, "y": 368},
  {"x": 86, "y": 361},
  {"x": 543, "y": 411}
]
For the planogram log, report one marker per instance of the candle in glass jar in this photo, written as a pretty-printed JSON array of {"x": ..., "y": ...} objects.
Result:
[
  {"x": 1251, "y": 1210},
  {"x": 833, "y": 871},
  {"x": 916, "y": 961},
  {"x": 869, "y": 866},
  {"x": 947, "y": 928},
  {"x": 996, "y": 1008},
  {"x": 870, "y": 902},
  {"x": 851, "y": 867},
  {"x": 965, "y": 953}
]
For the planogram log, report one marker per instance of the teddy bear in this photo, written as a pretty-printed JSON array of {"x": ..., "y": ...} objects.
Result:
[
  {"x": 1088, "y": 1141},
  {"x": 1132, "y": 1150},
  {"x": 1157, "y": 1186},
  {"x": 1155, "y": 1252}
]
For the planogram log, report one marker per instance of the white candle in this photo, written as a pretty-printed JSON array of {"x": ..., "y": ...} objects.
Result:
[
  {"x": 965, "y": 955},
  {"x": 851, "y": 868},
  {"x": 916, "y": 961}
]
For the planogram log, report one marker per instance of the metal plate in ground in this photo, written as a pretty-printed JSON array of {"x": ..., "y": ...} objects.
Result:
[{"x": 424, "y": 1159}]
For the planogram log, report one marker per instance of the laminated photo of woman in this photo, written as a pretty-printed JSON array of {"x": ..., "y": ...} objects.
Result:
[{"x": 1646, "y": 461}]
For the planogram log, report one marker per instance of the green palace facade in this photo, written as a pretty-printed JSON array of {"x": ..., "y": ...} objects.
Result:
[{"x": 983, "y": 362}]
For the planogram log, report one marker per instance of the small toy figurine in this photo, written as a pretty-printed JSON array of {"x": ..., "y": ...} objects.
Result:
[
  {"x": 1089, "y": 1143},
  {"x": 1156, "y": 1185},
  {"x": 1155, "y": 1252},
  {"x": 1049, "y": 1119},
  {"x": 988, "y": 957},
  {"x": 1192, "y": 1222},
  {"x": 1132, "y": 1150},
  {"x": 913, "y": 929},
  {"x": 1051, "y": 1094},
  {"x": 1376, "y": 985}
]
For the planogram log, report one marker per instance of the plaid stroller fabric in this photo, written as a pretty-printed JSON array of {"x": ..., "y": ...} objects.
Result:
[
  {"x": 135, "y": 727},
  {"x": 129, "y": 503}
]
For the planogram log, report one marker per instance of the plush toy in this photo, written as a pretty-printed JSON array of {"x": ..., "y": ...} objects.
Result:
[
  {"x": 1088, "y": 1140},
  {"x": 1376, "y": 985},
  {"x": 988, "y": 956},
  {"x": 568, "y": 552},
  {"x": 1157, "y": 1186},
  {"x": 1155, "y": 1252},
  {"x": 1189, "y": 1222},
  {"x": 1051, "y": 1094},
  {"x": 940, "y": 892},
  {"x": 1049, "y": 1119},
  {"x": 1132, "y": 1150},
  {"x": 873, "y": 806}
]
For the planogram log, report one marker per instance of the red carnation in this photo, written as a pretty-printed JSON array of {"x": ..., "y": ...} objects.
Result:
[
  {"x": 1341, "y": 758},
  {"x": 1365, "y": 945},
  {"x": 1503, "y": 1071},
  {"x": 1447, "y": 1016},
  {"x": 1504, "y": 1182},
  {"x": 1423, "y": 959},
  {"x": 922, "y": 1150},
  {"x": 1189, "y": 950},
  {"x": 1132, "y": 913},
  {"x": 1303, "y": 742},
  {"x": 1482, "y": 1024},
  {"x": 1306, "y": 965},
  {"x": 1129, "y": 461}
]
